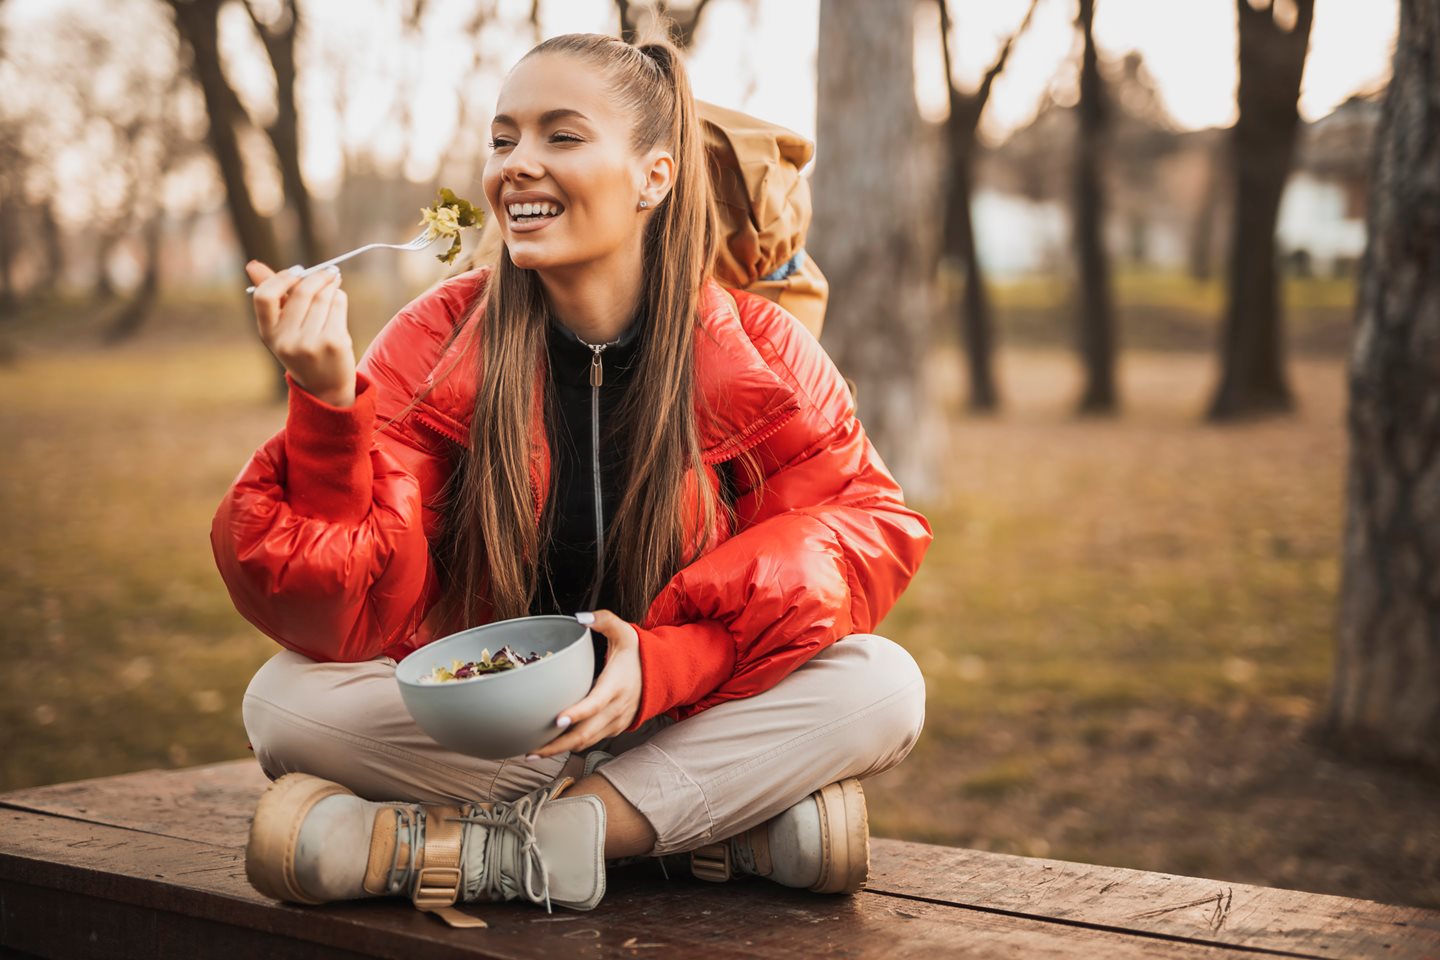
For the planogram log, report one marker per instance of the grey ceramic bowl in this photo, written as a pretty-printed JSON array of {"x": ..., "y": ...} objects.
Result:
[{"x": 506, "y": 714}]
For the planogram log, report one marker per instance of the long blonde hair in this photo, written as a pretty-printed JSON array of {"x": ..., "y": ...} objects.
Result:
[{"x": 492, "y": 548}]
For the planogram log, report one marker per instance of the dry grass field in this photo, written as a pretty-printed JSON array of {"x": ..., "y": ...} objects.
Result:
[{"x": 1126, "y": 624}]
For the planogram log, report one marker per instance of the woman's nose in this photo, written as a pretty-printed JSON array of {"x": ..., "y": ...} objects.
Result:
[{"x": 520, "y": 162}]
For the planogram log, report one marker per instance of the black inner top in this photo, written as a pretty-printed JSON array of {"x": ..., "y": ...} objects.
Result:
[{"x": 567, "y": 572}]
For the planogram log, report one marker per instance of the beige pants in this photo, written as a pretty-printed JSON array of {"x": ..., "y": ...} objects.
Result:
[{"x": 853, "y": 710}]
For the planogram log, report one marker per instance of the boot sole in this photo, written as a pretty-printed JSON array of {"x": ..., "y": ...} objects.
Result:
[
  {"x": 270, "y": 851},
  {"x": 845, "y": 821}
]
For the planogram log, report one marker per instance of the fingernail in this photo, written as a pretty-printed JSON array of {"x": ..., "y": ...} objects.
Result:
[
  {"x": 332, "y": 269},
  {"x": 296, "y": 270},
  {"x": 532, "y": 756},
  {"x": 563, "y": 722},
  {"x": 585, "y": 617}
]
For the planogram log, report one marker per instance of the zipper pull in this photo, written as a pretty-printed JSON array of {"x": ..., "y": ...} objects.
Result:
[{"x": 597, "y": 368}]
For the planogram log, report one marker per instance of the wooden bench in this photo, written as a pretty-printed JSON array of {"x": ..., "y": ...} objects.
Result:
[{"x": 152, "y": 865}]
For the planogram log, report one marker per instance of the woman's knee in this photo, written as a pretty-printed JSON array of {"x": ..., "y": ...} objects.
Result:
[
  {"x": 884, "y": 677},
  {"x": 293, "y": 705}
]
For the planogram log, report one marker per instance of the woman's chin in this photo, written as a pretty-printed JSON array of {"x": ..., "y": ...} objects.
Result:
[{"x": 527, "y": 258}]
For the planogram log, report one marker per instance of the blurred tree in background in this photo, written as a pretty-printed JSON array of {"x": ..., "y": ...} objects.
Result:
[
  {"x": 1095, "y": 314},
  {"x": 1274, "y": 39},
  {"x": 975, "y": 322},
  {"x": 868, "y": 231},
  {"x": 1386, "y": 695}
]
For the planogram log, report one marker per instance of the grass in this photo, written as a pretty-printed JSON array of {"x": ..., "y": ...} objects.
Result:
[
  {"x": 1126, "y": 624},
  {"x": 1167, "y": 312}
]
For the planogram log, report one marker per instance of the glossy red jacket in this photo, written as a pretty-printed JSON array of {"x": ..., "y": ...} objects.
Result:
[{"x": 324, "y": 538}]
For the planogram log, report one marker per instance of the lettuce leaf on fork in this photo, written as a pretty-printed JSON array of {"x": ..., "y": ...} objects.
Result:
[{"x": 446, "y": 218}]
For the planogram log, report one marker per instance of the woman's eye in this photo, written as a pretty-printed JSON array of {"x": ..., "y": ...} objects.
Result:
[{"x": 501, "y": 142}]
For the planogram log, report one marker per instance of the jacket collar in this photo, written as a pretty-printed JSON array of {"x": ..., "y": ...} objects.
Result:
[
  {"x": 570, "y": 357},
  {"x": 740, "y": 400}
]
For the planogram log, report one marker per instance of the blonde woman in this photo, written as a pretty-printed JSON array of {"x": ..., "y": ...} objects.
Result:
[{"x": 592, "y": 425}]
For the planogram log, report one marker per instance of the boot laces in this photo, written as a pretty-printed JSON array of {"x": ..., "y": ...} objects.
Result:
[
  {"x": 409, "y": 825},
  {"x": 517, "y": 817}
]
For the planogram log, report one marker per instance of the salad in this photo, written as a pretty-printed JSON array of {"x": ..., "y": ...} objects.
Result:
[
  {"x": 506, "y": 658},
  {"x": 446, "y": 218}
]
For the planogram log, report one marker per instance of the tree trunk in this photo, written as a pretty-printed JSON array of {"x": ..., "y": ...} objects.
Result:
[
  {"x": 975, "y": 320},
  {"x": 1202, "y": 232},
  {"x": 1262, "y": 147},
  {"x": 132, "y": 316},
  {"x": 54, "y": 245},
  {"x": 1386, "y": 695},
  {"x": 867, "y": 229},
  {"x": 958, "y": 237},
  {"x": 9, "y": 296},
  {"x": 1095, "y": 327},
  {"x": 197, "y": 23},
  {"x": 284, "y": 132}
]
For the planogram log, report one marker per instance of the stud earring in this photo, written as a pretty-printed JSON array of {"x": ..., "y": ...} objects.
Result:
[{"x": 643, "y": 204}]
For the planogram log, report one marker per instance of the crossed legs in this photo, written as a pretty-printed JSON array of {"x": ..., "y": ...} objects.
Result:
[{"x": 853, "y": 710}]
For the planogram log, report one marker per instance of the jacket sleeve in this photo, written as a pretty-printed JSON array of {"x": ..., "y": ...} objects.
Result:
[
  {"x": 824, "y": 548},
  {"x": 321, "y": 539}
]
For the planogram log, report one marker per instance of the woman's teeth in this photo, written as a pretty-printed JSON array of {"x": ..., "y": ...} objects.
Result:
[{"x": 533, "y": 211}]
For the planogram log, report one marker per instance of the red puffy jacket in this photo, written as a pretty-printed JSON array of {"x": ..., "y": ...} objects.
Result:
[{"x": 323, "y": 539}]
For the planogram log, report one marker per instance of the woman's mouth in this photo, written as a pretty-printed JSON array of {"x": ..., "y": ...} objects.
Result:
[{"x": 530, "y": 217}]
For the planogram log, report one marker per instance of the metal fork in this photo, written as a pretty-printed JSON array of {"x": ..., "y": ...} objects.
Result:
[{"x": 423, "y": 240}]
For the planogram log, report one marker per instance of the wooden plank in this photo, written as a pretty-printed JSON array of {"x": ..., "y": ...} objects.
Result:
[
  {"x": 1115, "y": 898},
  {"x": 184, "y": 881},
  {"x": 214, "y": 803},
  {"x": 45, "y": 922}
]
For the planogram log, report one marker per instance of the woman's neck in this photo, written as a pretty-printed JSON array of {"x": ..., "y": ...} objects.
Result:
[{"x": 596, "y": 301}]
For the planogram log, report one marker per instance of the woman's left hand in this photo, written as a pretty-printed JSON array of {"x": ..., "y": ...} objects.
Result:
[{"x": 610, "y": 705}]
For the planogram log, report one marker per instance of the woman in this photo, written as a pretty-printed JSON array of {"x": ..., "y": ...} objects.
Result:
[{"x": 451, "y": 480}]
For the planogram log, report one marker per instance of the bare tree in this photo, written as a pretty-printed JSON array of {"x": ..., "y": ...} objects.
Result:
[
  {"x": 1386, "y": 695},
  {"x": 867, "y": 229},
  {"x": 634, "y": 15},
  {"x": 1272, "y": 59},
  {"x": 278, "y": 34},
  {"x": 198, "y": 24},
  {"x": 1095, "y": 322},
  {"x": 958, "y": 244}
]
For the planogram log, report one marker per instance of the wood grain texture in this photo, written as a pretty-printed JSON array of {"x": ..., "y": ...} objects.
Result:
[
  {"x": 1210, "y": 911},
  {"x": 152, "y": 858},
  {"x": 187, "y": 885}
]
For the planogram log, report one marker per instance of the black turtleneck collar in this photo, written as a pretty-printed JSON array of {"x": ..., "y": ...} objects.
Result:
[{"x": 570, "y": 358}]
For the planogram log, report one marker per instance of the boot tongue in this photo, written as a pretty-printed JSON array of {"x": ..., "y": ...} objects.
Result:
[{"x": 563, "y": 864}]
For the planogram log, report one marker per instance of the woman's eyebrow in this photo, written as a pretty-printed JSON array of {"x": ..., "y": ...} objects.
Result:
[{"x": 548, "y": 116}]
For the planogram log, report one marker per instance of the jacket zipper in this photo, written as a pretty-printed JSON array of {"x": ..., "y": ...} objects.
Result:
[{"x": 597, "y": 377}]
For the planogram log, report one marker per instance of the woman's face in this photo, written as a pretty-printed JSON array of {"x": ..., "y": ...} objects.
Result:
[{"x": 557, "y": 137}]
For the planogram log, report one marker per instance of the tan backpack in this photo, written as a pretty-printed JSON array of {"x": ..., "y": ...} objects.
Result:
[{"x": 764, "y": 207}]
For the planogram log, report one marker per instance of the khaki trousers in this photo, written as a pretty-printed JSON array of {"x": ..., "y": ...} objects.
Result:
[{"x": 853, "y": 710}]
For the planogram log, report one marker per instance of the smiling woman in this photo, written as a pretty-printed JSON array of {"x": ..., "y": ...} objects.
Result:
[{"x": 590, "y": 423}]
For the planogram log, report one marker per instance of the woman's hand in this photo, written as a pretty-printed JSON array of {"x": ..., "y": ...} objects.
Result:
[
  {"x": 303, "y": 323},
  {"x": 610, "y": 705}
]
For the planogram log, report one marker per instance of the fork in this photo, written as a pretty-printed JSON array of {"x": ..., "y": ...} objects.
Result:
[{"x": 423, "y": 240}]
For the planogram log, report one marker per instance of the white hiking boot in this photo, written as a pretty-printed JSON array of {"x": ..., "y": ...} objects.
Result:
[
  {"x": 313, "y": 841},
  {"x": 821, "y": 843}
]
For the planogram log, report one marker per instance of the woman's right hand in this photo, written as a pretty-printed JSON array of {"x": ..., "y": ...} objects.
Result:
[{"x": 303, "y": 323}]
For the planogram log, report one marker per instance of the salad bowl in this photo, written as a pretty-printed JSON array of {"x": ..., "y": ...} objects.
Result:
[{"x": 508, "y": 713}]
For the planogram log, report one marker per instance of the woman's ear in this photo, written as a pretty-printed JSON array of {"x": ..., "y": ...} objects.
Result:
[{"x": 659, "y": 177}]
